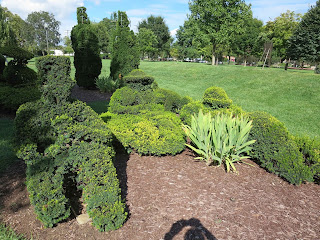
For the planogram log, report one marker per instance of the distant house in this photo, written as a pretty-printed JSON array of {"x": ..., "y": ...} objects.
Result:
[{"x": 58, "y": 52}]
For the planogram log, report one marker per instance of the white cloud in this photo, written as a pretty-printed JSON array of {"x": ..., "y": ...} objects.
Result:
[
  {"x": 62, "y": 10},
  {"x": 173, "y": 32}
]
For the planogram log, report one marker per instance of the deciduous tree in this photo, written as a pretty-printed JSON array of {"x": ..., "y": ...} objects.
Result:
[
  {"x": 43, "y": 27},
  {"x": 147, "y": 42},
  {"x": 221, "y": 20}
]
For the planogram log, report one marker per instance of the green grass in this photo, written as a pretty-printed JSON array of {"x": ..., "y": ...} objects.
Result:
[
  {"x": 9, "y": 234},
  {"x": 7, "y": 155},
  {"x": 292, "y": 96}
]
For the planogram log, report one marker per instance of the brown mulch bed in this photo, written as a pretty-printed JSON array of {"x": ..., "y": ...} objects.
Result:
[{"x": 177, "y": 197}]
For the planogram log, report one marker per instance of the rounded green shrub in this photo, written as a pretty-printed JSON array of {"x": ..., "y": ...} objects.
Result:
[
  {"x": 19, "y": 74},
  {"x": 190, "y": 109},
  {"x": 171, "y": 100},
  {"x": 276, "y": 150},
  {"x": 137, "y": 79},
  {"x": 317, "y": 69},
  {"x": 12, "y": 97},
  {"x": 149, "y": 133},
  {"x": 216, "y": 97}
]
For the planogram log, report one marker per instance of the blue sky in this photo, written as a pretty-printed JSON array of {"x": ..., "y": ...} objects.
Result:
[{"x": 173, "y": 11}]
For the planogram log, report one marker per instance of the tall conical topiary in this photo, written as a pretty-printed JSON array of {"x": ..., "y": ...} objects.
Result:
[
  {"x": 85, "y": 44},
  {"x": 125, "y": 54}
]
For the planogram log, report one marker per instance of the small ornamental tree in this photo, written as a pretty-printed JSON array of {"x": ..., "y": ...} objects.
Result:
[
  {"x": 86, "y": 51},
  {"x": 125, "y": 54},
  {"x": 304, "y": 44}
]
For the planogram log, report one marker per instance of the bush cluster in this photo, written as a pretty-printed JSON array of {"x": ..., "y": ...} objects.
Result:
[
  {"x": 139, "y": 120},
  {"x": 107, "y": 84},
  {"x": 276, "y": 150},
  {"x": 149, "y": 133},
  {"x": 65, "y": 143},
  {"x": 18, "y": 82}
]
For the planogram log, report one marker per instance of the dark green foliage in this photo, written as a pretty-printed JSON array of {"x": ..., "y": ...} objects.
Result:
[
  {"x": 16, "y": 52},
  {"x": 276, "y": 150},
  {"x": 125, "y": 53},
  {"x": 151, "y": 132},
  {"x": 2, "y": 65},
  {"x": 310, "y": 148},
  {"x": 128, "y": 100},
  {"x": 53, "y": 74},
  {"x": 171, "y": 100},
  {"x": 137, "y": 79},
  {"x": 12, "y": 97},
  {"x": 19, "y": 74},
  {"x": 85, "y": 44},
  {"x": 317, "y": 70},
  {"x": 304, "y": 44},
  {"x": 216, "y": 97},
  {"x": 59, "y": 141}
]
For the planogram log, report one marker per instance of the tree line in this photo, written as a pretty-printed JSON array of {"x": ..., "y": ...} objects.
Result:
[{"x": 214, "y": 29}]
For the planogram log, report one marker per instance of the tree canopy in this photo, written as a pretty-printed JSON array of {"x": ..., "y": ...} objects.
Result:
[
  {"x": 158, "y": 26},
  {"x": 304, "y": 44},
  {"x": 147, "y": 42},
  {"x": 42, "y": 27},
  {"x": 221, "y": 20}
]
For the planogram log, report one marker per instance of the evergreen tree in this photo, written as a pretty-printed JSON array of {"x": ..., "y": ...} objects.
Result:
[
  {"x": 125, "y": 54},
  {"x": 86, "y": 51},
  {"x": 304, "y": 44}
]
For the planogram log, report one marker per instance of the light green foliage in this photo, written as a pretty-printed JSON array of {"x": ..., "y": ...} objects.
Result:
[
  {"x": 220, "y": 20},
  {"x": 216, "y": 97},
  {"x": 280, "y": 30},
  {"x": 8, "y": 36},
  {"x": 147, "y": 42},
  {"x": 107, "y": 84},
  {"x": 276, "y": 150},
  {"x": 219, "y": 140},
  {"x": 158, "y": 26},
  {"x": 7, "y": 233},
  {"x": 149, "y": 133}
]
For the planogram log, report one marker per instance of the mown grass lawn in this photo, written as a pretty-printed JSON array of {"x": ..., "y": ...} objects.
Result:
[{"x": 292, "y": 96}]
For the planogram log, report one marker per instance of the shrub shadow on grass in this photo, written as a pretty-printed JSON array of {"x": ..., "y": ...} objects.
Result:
[{"x": 196, "y": 231}]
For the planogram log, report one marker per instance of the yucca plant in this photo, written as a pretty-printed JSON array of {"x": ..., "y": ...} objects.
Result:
[
  {"x": 218, "y": 140},
  {"x": 107, "y": 84}
]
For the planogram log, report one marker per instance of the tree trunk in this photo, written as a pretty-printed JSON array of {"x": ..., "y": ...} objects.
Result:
[
  {"x": 245, "y": 62},
  {"x": 213, "y": 55}
]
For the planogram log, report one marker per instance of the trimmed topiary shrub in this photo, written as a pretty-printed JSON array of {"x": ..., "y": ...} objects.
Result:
[
  {"x": 138, "y": 80},
  {"x": 12, "y": 97},
  {"x": 194, "y": 107},
  {"x": 216, "y": 97},
  {"x": 171, "y": 100},
  {"x": 128, "y": 100},
  {"x": 85, "y": 44},
  {"x": 276, "y": 150},
  {"x": 125, "y": 52},
  {"x": 54, "y": 76},
  {"x": 310, "y": 148},
  {"x": 149, "y": 133},
  {"x": 17, "y": 75},
  {"x": 317, "y": 69},
  {"x": 65, "y": 143}
]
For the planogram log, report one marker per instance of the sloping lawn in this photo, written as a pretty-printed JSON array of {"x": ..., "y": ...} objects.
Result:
[{"x": 292, "y": 96}]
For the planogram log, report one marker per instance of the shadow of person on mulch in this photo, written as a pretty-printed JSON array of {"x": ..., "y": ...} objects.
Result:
[{"x": 196, "y": 231}]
